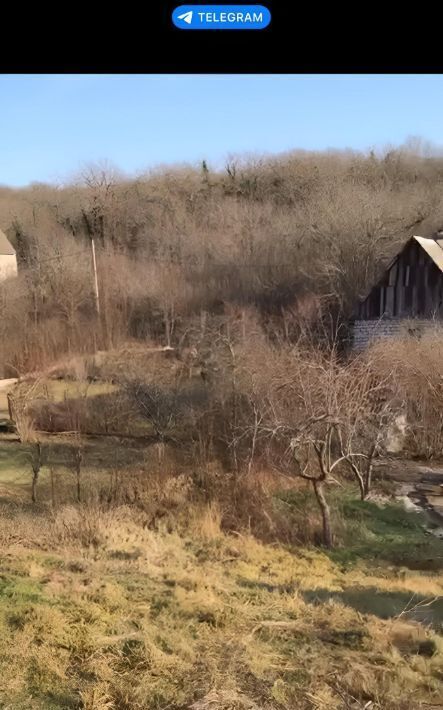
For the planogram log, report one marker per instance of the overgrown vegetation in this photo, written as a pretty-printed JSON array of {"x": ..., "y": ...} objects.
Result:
[
  {"x": 296, "y": 237},
  {"x": 187, "y": 466}
]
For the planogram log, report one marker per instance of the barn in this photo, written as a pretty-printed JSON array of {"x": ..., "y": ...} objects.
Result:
[
  {"x": 8, "y": 258},
  {"x": 409, "y": 295}
]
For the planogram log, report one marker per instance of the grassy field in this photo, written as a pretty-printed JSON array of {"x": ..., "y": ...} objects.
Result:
[
  {"x": 102, "y": 455},
  {"x": 144, "y": 597},
  {"x": 56, "y": 390},
  {"x": 99, "y": 453},
  {"x": 97, "y": 610}
]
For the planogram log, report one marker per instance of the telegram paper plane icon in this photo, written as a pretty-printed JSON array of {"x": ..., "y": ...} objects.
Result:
[{"x": 186, "y": 17}]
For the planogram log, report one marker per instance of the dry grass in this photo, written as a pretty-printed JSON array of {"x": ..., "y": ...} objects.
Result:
[
  {"x": 99, "y": 611},
  {"x": 207, "y": 521},
  {"x": 174, "y": 586},
  {"x": 415, "y": 364}
]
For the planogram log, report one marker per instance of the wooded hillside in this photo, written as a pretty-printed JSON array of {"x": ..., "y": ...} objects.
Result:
[{"x": 293, "y": 237}]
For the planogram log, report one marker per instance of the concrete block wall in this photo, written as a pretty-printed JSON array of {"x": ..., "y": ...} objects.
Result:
[{"x": 366, "y": 331}]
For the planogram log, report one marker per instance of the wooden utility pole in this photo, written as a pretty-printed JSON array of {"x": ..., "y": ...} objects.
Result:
[{"x": 94, "y": 264}]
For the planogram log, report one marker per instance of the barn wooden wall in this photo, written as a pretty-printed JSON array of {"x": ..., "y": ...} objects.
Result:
[{"x": 411, "y": 287}]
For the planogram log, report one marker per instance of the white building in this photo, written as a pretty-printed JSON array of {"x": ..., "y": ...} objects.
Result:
[{"x": 8, "y": 258}]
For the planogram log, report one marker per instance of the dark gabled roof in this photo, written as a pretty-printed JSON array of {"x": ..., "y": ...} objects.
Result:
[{"x": 6, "y": 247}]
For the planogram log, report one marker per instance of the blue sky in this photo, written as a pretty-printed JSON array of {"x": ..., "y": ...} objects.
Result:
[{"x": 51, "y": 125}]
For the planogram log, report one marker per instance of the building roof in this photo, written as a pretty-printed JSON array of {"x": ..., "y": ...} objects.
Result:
[
  {"x": 6, "y": 247},
  {"x": 433, "y": 248}
]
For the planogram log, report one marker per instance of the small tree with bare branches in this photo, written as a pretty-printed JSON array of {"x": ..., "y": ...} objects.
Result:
[{"x": 314, "y": 416}]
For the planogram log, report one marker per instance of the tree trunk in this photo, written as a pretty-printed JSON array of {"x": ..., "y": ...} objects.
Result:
[
  {"x": 35, "y": 473},
  {"x": 253, "y": 445},
  {"x": 78, "y": 458},
  {"x": 325, "y": 513},
  {"x": 369, "y": 468},
  {"x": 362, "y": 487},
  {"x": 368, "y": 480},
  {"x": 79, "y": 488},
  {"x": 51, "y": 472},
  {"x": 360, "y": 480},
  {"x": 36, "y": 466}
]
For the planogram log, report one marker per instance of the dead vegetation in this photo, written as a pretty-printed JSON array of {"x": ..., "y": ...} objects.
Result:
[
  {"x": 99, "y": 610},
  {"x": 297, "y": 237},
  {"x": 186, "y": 519},
  {"x": 243, "y": 406},
  {"x": 416, "y": 367}
]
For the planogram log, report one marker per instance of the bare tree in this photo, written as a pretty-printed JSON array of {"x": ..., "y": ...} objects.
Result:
[
  {"x": 157, "y": 405},
  {"x": 19, "y": 402},
  {"x": 369, "y": 404},
  {"x": 317, "y": 436},
  {"x": 77, "y": 454},
  {"x": 313, "y": 415},
  {"x": 37, "y": 461}
]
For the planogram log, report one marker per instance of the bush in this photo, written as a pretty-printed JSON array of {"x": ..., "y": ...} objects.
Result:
[{"x": 415, "y": 366}]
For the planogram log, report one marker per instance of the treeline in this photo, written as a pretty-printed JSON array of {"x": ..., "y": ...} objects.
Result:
[{"x": 296, "y": 238}]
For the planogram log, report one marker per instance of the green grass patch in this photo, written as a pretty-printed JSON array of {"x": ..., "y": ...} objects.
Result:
[
  {"x": 20, "y": 589},
  {"x": 365, "y": 530},
  {"x": 14, "y": 463},
  {"x": 389, "y": 533},
  {"x": 59, "y": 390}
]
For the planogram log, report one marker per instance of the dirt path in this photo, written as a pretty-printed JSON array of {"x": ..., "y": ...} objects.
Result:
[{"x": 430, "y": 488}]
